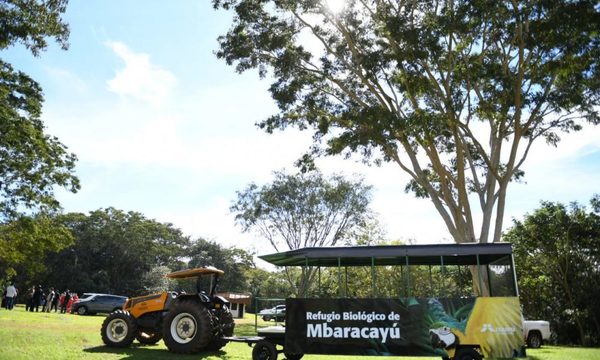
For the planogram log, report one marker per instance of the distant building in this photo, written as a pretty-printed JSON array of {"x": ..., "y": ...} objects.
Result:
[{"x": 238, "y": 303}]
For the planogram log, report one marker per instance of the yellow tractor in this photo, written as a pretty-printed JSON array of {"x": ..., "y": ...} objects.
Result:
[{"x": 187, "y": 322}]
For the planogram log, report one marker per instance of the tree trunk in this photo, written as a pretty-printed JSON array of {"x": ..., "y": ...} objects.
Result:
[{"x": 481, "y": 280}]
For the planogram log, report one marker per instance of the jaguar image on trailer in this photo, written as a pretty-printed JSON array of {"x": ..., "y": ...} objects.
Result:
[{"x": 441, "y": 321}]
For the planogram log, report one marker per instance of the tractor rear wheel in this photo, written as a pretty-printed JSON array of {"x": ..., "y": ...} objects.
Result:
[
  {"x": 223, "y": 328},
  {"x": 118, "y": 329},
  {"x": 148, "y": 337},
  {"x": 187, "y": 328}
]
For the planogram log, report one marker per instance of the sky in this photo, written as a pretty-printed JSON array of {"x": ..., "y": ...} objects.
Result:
[{"x": 164, "y": 128}]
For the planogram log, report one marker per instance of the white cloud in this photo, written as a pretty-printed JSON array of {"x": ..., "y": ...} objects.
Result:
[
  {"x": 206, "y": 139},
  {"x": 140, "y": 79}
]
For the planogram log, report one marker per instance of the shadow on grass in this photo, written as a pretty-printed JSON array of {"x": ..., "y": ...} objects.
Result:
[
  {"x": 148, "y": 352},
  {"x": 540, "y": 354}
]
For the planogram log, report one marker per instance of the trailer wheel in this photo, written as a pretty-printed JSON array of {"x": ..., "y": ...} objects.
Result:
[
  {"x": 467, "y": 354},
  {"x": 264, "y": 350},
  {"x": 118, "y": 329},
  {"x": 293, "y": 356},
  {"x": 187, "y": 329}
]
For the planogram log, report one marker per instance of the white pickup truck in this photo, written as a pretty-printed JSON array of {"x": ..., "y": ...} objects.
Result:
[{"x": 535, "y": 332}]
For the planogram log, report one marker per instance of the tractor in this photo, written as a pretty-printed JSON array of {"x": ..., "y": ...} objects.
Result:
[{"x": 187, "y": 322}]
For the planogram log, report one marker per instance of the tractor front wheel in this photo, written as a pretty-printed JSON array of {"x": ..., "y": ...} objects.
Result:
[
  {"x": 187, "y": 328},
  {"x": 118, "y": 329}
]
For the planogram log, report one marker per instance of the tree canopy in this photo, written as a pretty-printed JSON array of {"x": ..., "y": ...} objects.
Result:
[
  {"x": 303, "y": 210},
  {"x": 453, "y": 92},
  {"x": 31, "y": 161},
  {"x": 557, "y": 252},
  {"x": 233, "y": 261},
  {"x": 25, "y": 242},
  {"x": 113, "y": 252}
]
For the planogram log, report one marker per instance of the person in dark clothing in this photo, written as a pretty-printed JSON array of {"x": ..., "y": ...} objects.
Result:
[
  {"x": 63, "y": 307},
  {"x": 29, "y": 299},
  {"x": 38, "y": 294},
  {"x": 55, "y": 301}
]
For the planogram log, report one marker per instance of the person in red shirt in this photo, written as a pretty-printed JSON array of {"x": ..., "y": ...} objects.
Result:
[
  {"x": 61, "y": 300},
  {"x": 71, "y": 302}
]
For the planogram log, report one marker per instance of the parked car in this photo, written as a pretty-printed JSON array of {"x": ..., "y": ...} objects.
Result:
[
  {"x": 535, "y": 332},
  {"x": 91, "y": 303},
  {"x": 277, "y": 313}
]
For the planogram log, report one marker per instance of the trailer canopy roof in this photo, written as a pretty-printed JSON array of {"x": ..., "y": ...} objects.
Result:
[{"x": 444, "y": 254}]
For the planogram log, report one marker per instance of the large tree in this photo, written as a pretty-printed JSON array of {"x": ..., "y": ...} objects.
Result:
[
  {"x": 32, "y": 162},
  {"x": 454, "y": 92},
  {"x": 114, "y": 252},
  {"x": 557, "y": 252},
  {"x": 303, "y": 210},
  {"x": 25, "y": 242}
]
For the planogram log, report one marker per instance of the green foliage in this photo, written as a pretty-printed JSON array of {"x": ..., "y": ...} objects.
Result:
[
  {"x": 32, "y": 163},
  {"x": 455, "y": 93},
  {"x": 397, "y": 281},
  {"x": 155, "y": 280},
  {"x": 268, "y": 284},
  {"x": 114, "y": 251},
  {"x": 557, "y": 252},
  {"x": 233, "y": 261},
  {"x": 303, "y": 210},
  {"x": 26, "y": 240},
  {"x": 29, "y": 22}
]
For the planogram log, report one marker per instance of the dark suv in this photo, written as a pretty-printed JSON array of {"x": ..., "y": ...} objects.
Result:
[{"x": 98, "y": 303}]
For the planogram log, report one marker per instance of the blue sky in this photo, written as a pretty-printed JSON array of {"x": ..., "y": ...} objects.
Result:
[{"x": 162, "y": 127}]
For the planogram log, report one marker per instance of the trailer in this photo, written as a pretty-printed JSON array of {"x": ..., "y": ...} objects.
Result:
[{"x": 415, "y": 305}]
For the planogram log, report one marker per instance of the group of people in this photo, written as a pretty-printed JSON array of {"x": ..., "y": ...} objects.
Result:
[{"x": 36, "y": 297}]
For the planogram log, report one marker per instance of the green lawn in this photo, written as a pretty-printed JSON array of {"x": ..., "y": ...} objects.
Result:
[{"x": 26, "y": 335}]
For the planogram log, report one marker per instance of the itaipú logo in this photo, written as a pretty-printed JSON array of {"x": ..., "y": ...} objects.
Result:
[{"x": 498, "y": 330}]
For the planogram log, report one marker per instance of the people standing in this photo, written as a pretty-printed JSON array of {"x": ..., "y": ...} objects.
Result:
[
  {"x": 55, "y": 300},
  {"x": 11, "y": 296},
  {"x": 74, "y": 297},
  {"x": 49, "y": 299},
  {"x": 63, "y": 306},
  {"x": 38, "y": 294},
  {"x": 29, "y": 299}
]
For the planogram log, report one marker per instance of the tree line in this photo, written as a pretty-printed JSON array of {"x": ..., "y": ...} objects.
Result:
[{"x": 118, "y": 252}]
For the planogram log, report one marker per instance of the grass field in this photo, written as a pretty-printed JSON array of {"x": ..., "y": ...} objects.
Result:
[{"x": 26, "y": 335}]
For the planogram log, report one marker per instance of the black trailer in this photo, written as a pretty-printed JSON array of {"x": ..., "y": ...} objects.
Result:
[{"x": 426, "y": 316}]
